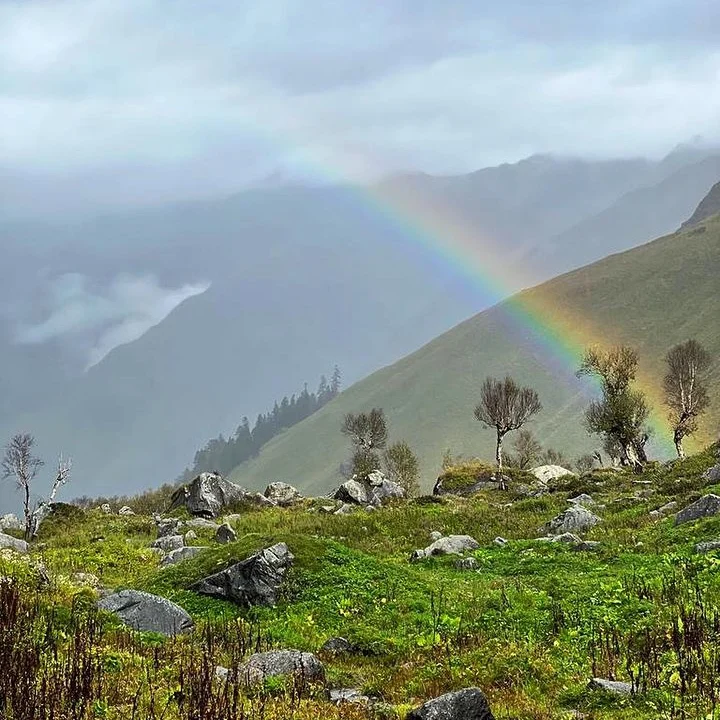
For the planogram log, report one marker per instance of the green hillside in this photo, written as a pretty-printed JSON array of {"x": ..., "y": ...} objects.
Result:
[{"x": 652, "y": 297}]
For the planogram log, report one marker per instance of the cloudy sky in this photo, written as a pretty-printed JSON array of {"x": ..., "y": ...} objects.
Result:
[{"x": 210, "y": 96}]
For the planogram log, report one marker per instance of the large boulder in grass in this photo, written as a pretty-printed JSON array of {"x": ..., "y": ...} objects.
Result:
[
  {"x": 208, "y": 495},
  {"x": 148, "y": 613},
  {"x": 706, "y": 506},
  {"x": 181, "y": 554},
  {"x": 11, "y": 522},
  {"x": 301, "y": 669},
  {"x": 257, "y": 580},
  {"x": 548, "y": 473},
  {"x": 282, "y": 494},
  {"x": 712, "y": 475},
  {"x": 450, "y": 545},
  {"x": 576, "y": 519},
  {"x": 468, "y": 704},
  {"x": 373, "y": 489},
  {"x": 9, "y": 542}
]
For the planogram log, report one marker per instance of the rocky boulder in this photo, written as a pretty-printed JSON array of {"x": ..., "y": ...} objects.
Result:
[
  {"x": 180, "y": 554},
  {"x": 583, "y": 499},
  {"x": 11, "y": 543},
  {"x": 374, "y": 489},
  {"x": 575, "y": 519},
  {"x": 712, "y": 475},
  {"x": 167, "y": 526},
  {"x": 148, "y": 613},
  {"x": 706, "y": 547},
  {"x": 469, "y": 704},
  {"x": 450, "y": 545},
  {"x": 548, "y": 473},
  {"x": 302, "y": 669},
  {"x": 11, "y": 522},
  {"x": 168, "y": 543},
  {"x": 610, "y": 686},
  {"x": 225, "y": 534},
  {"x": 706, "y": 506},
  {"x": 207, "y": 495},
  {"x": 257, "y": 580},
  {"x": 282, "y": 494}
]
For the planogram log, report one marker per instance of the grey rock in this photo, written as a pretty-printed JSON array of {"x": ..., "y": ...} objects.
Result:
[
  {"x": 488, "y": 482},
  {"x": 569, "y": 538},
  {"x": 664, "y": 510},
  {"x": 282, "y": 494},
  {"x": 190, "y": 535},
  {"x": 450, "y": 545},
  {"x": 327, "y": 509},
  {"x": 575, "y": 519},
  {"x": 610, "y": 686},
  {"x": 11, "y": 543},
  {"x": 468, "y": 563},
  {"x": 588, "y": 546},
  {"x": 257, "y": 580},
  {"x": 126, "y": 510},
  {"x": 11, "y": 522},
  {"x": 348, "y": 695},
  {"x": 469, "y": 704},
  {"x": 435, "y": 535},
  {"x": 354, "y": 492},
  {"x": 167, "y": 543},
  {"x": 260, "y": 500},
  {"x": 500, "y": 541},
  {"x": 180, "y": 554},
  {"x": 375, "y": 489},
  {"x": 706, "y": 547},
  {"x": 225, "y": 534},
  {"x": 712, "y": 475},
  {"x": 202, "y": 524},
  {"x": 584, "y": 499},
  {"x": 168, "y": 526},
  {"x": 337, "y": 646},
  {"x": 548, "y": 473},
  {"x": 303, "y": 669},
  {"x": 87, "y": 579},
  {"x": 345, "y": 509},
  {"x": 105, "y": 507},
  {"x": 706, "y": 506},
  {"x": 222, "y": 674},
  {"x": 207, "y": 495},
  {"x": 146, "y": 612}
]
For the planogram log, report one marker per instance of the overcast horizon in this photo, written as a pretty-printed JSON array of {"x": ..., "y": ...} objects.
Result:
[{"x": 163, "y": 102}]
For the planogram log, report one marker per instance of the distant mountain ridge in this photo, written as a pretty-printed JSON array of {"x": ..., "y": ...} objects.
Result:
[{"x": 707, "y": 208}]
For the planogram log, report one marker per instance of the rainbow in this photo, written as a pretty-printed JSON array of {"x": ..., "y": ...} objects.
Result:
[{"x": 444, "y": 234}]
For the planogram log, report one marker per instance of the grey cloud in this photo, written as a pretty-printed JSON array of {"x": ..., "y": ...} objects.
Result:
[{"x": 118, "y": 314}]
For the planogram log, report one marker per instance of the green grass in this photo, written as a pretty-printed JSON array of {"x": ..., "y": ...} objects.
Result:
[
  {"x": 530, "y": 626},
  {"x": 651, "y": 297}
]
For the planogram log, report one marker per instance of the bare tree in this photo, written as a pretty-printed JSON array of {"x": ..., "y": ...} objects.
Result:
[
  {"x": 20, "y": 463},
  {"x": 401, "y": 465},
  {"x": 505, "y": 406},
  {"x": 368, "y": 434},
  {"x": 527, "y": 449},
  {"x": 620, "y": 415},
  {"x": 685, "y": 392}
]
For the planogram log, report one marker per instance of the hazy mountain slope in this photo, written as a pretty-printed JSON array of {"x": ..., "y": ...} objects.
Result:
[
  {"x": 302, "y": 278},
  {"x": 652, "y": 297},
  {"x": 707, "y": 208},
  {"x": 636, "y": 217}
]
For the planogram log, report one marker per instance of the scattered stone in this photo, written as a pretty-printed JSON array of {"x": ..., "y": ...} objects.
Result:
[
  {"x": 260, "y": 500},
  {"x": 435, "y": 536},
  {"x": 203, "y": 524},
  {"x": 564, "y": 538},
  {"x": 148, "y": 613},
  {"x": 168, "y": 543},
  {"x": 225, "y": 534},
  {"x": 10, "y": 522},
  {"x": 11, "y": 543},
  {"x": 257, "y": 580},
  {"x": 468, "y": 563},
  {"x": 712, "y": 475},
  {"x": 190, "y": 535},
  {"x": 105, "y": 507},
  {"x": 337, "y": 646},
  {"x": 663, "y": 511},
  {"x": 168, "y": 526},
  {"x": 575, "y": 519},
  {"x": 500, "y": 541},
  {"x": 302, "y": 668},
  {"x": 207, "y": 495},
  {"x": 88, "y": 579},
  {"x": 450, "y": 545},
  {"x": 327, "y": 509},
  {"x": 469, "y": 704},
  {"x": 584, "y": 499},
  {"x": 282, "y": 494},
  {"x": 221, "y": 673},
  {"x": 610, "y": 686},
  {"x": 180, "y": 554},
  {"x": 348, "y": 695},
  {"x": 126, "y": 510},
  {"x": 375, "y": 489},
  {"x": 345, "y": 509},
  {"x": 706, "y": 506},
  {"x": 706, "y": 547},
  {"x": 548, "y": 473}
]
